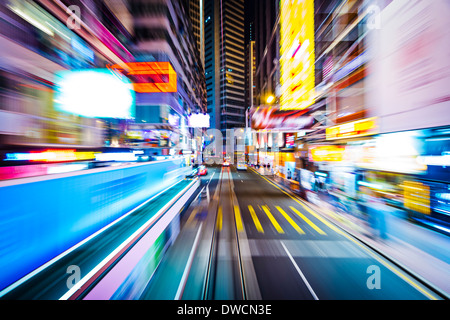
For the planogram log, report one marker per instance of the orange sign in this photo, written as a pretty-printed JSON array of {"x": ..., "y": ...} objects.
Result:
[
  {"x": 149, "y": 76},
  {"x": 358, "y": 128}
]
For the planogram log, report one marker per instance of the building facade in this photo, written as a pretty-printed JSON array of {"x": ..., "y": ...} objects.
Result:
[
  {"x": 164, "y": 33},
  {"x": 225, "y": 63},
  {"x": 266, "y": 51},
  {"x": 250, "y": 70},
  {"x": 198, "y": 25}
]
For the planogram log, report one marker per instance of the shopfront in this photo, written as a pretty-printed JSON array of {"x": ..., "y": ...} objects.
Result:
[{"x": 409, "y": 171}]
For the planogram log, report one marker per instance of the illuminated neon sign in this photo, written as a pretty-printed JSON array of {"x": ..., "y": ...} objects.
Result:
[
  {"x": 358, "y": 128},
  {"x": 51, "y": 156},
  {"x": 149, "y": 76},
  {"x": 297, "y": 55},
  {"x": 94, "y": 93},
  {"x": 327, "y": 153},
  {"x": 198, "y": 120}
]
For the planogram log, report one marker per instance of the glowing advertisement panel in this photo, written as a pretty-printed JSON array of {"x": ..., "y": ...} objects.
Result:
[
  {"x": 329, "y": 153},
  {"x": 297, "y": 54},
  {"x": 360, "y": 128},
  {"x": 274, "y": 118},
  {"x": 198, "y": 120},
  {"x": 148, "y": 77},
  {"x": 94, "y": 93}
]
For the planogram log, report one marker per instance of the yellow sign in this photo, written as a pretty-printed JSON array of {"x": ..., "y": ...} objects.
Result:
[
  {"x": 416, "y": 196},
  {"x": 327, "y": 153},
  {"x": 297, "y": 56},
  {"x": 358, "y": 128}
]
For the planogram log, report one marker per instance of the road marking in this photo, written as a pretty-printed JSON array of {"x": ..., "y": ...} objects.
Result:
[
  {"x": 272, "y": 219},
  {"x": 308, "y": 221},
  {"x": 183, "y": 280},
  {"x": 219, "y": 218},
  {"x": 192, "y": 216},
  {"x": 198, "y": 195},
  {"x": 255, "y": 219},
  {"x": 289, "y": 219},
  {"x": 211, "y": 177},
  {"x": 300, "y": 272},
  {"x": 237, "y": 214},
  {"x": 328, "y": 224},
  {"x": 249, "y": 283}
]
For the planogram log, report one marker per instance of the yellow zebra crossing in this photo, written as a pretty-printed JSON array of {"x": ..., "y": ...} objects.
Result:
[{"x": 276, "y": 223}]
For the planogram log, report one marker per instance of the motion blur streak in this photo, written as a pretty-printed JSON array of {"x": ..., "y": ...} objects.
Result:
[{"x": 225, "y": 149}]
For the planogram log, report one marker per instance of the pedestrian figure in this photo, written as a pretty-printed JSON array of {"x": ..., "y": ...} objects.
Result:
[{"x": 376, "y": 212}]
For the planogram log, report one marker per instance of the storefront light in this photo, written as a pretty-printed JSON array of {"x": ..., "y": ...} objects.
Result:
[
  {"x": 371, "y": 185},
  {"x": 443, "y": 161},
  {"x": 321, "y": 174}
]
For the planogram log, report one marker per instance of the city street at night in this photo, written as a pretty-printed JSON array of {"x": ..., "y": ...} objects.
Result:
[
  {"x": 287, "y": 251},
  {"x": 225, "y": 158}
]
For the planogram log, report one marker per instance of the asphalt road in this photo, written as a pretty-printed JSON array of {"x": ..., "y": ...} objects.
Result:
[
  {"x": 253, "y": 240},
  {"x": 244, "y": 237},
  {"x": 297, "y": 254}
]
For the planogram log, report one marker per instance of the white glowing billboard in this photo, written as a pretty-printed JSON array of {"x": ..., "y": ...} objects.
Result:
[
  {"x": 94, "y": 93},
  {"x": 198, "y": 120}
]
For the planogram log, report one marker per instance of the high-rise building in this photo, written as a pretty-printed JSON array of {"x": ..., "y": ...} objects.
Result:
[
  {"x": 266, "y": 51},
  {"x": 250, "y": 69},
  {"x": 250, "y": 65},
  {"x": 198, "y": 25},
  {"x": 225, "y": 63},
  {"x": 163, "y": 33}
]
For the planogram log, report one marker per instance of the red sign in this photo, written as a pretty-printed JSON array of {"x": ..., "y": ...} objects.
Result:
[
  {"x": 290, "y": 140},
  {"x": 273, "y": 118}
]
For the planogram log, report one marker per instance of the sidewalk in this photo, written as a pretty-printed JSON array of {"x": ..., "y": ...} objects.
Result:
[
  {"x": 422, "y": 251},
  {"x": 263, "y": 171}
]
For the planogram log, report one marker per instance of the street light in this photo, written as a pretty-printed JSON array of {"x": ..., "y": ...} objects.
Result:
[{"x": 270, "y": 99}]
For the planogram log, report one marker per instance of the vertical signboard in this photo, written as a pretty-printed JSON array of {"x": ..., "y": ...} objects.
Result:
[{"x": 297, "y": 54}]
